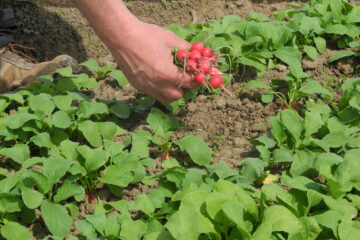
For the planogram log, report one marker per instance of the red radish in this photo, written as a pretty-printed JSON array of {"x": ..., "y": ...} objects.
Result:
[
  {"x": 200, "y": 78},
  {"x": 191, "y": 66},
  {"x": 198, "y": 46},
  {"x": 165, "y": 157},
  {"x": 90, "y": 196},
  {"x": 204, "y": 65},
  {"x": 182, "y": 54},
  {"x": 40, "y": 219},
  {"x": 194, "y": 55},
  {"x": 206, "y": 52},
  {"x": 217, "y": 82},
  {"x": 214, "y": 58},
  {"x": 295, "y": 105},
  {"x": 214, "y": 71}
]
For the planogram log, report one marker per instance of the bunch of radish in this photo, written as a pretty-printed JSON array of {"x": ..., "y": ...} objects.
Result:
[{"x": 201, "y": 62}]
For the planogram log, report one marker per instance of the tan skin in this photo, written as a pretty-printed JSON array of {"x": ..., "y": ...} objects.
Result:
[{"x": 143, "y": 51}]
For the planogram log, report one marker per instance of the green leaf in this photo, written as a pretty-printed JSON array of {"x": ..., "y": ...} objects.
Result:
[
  {"x": 8, "y": 183},
  {"x": 320, "y": 44},
  {"x": 336, "y": 139},
  {"x": 267, "y": 141},
  {"x": 133, "y": 230},
  {"x": 144, "y": 203},
  {"x": 315, "y": 87},
  {"x": 341, "y": 54},
  {"x": 42, "y": 182},
  {"x": 56, "y": 219},
  {"x": 15, "y": 231},
  {"x": 292, "y": 57},
  {"x": 313, "y": 122},
  {"x": 112, "y": 227},
  {"x": 91, "y": 64},
  {"x": 220, "y": 168},
  {"x": 282, "y": 155},
  {"x": 42, "y": 103},
  {"x": 86, "y": 229},
  {"x": 94, "y": 158},
  {"x": 55, "y": 168},
  {"x": 279, "y": 217},
  {"x": 69, "y": 149},
  {"x": 14, "y": 97},
  {"x": 170, "y": 163},
  {"x": 277, "y": 130},
  {"x": 310, "y": 51},
  {"x": 178, "y": 30},
  {"x": 61, "y": 119},
  {"x": 68, "y": 190},
  {"x": 267, "y": 97},
  {"x": 160, "y": 123},
  {"x": 98, "y": 221},
  {"x": 140, "y": 143},
  {"x": 348, "y": 230},
  {"x": 67, "y": 84},
  {"x": 338, "y": 29},
  {"x": 91, "y": 132},
  {"x": 18, "y": 119},
  {"x": 252, "y": 168},
  {"x": 329, "y": 219},
  {"x": 119, "y": 77},
  {"x": 108, "y": 130},
  {"x": 199, "y": 152},
  {"x": 3, "y": 105},
  {"x": 292, "y": 122},
  {"x": 19, "y": 152},
  {"x": 10, "y": 203},
  {"x": 32, "y": 198},
  {"x": 303, "y": 161},
  {"x": 117, "y": 175},
  {"x": 87, "y": 109},
  {"x": 183, "y": 224},
  {"x": 63, "y": 102},
  {"x": 120, "y": 109},
  {"x": 42, "y": 140},
  {"x": 65, "y": 72}
]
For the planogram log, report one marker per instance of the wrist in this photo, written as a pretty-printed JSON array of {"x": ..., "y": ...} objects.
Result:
[{"x": 112, "y": 21}]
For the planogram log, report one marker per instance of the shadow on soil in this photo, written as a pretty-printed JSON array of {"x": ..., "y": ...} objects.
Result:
[{"x": 36, "y": 29}]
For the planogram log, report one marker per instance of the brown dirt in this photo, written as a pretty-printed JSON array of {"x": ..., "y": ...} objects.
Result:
[{"x": 227, "y": 124}]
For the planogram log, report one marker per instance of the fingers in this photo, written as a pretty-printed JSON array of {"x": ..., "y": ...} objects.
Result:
[{"x": 168, "y": 94}]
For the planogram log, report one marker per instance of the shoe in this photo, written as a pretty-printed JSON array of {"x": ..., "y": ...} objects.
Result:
[{"x": 17, "y": 69}]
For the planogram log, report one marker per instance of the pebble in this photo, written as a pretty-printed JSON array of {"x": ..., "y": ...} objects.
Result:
[
  {"x": 201, "y": 98},
  {"x": 220, "y": 103},
  {"x": 240, "y": 142},
  {"x": 238, "y": 128}
]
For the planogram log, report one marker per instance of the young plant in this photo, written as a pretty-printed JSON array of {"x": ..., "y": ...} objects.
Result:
[
  {"x": 93, "y": 65},
  {"x": 289, "y": 90},
  {"x": 162, "y": 126}
]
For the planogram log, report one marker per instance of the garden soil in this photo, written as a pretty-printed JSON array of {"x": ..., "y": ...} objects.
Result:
[{"x": 227, "y": 124}]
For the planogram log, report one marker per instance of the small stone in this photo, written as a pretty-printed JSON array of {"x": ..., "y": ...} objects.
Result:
[
  {"x": 240, "y": 142},
  {"x": 238, "y": 128},
  {"x": 281, "y": 68},
  {"x": 192, "y": 107},
  {"x": 245, "y": 101},
  {"x": 237, "y": 151},
  {"x": 220, "y": 103},
  {"x": 201, "y": 98}
]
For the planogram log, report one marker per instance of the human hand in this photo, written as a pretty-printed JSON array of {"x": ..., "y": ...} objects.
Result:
[{"x": 147, "y": 61}]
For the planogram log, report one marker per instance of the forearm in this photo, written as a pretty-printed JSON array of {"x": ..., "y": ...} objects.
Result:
[{"x": 110, "y": 19}]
